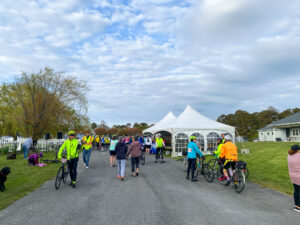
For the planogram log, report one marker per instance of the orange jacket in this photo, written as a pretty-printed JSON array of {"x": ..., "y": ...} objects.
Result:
[{"x": 229, "y": 151}]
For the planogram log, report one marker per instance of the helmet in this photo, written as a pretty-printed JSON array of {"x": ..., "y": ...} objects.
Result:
[
  {"x": 193, "y": 137},
  {"x": 158, "y": 135},
  {"x": 227, "y": 137},
  {"x": 71, "y": 133}
]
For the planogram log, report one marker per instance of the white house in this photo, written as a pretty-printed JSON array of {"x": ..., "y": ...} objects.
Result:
[{"x": 286, "y": 129}]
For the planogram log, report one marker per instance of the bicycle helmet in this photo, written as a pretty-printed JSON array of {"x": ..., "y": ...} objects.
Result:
[
  {"x": 71, "y": 133},
  {"x": 227, "y": 137},
  {"x": 193, "y": 138}
]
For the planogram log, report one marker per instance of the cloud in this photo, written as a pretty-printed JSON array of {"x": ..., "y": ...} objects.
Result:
[{"x": 143, "y": 58}]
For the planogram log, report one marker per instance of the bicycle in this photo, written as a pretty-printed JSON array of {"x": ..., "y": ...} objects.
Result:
[
  {"x": 203, "y": 168},
  {"x": 160, "y": 155},
  {"x": 62, "y": 174},
  {"x": 142, "y": 158},
  {"x": 238, "y": 177}
]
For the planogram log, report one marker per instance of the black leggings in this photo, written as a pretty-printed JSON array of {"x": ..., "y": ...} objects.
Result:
[
  {"x": 135, "y": 162},
  {"x": 157, "y": 152},
  {"x": 297, "y": 195},
  {"x": 73, "y": 169},
  {"x": 191, "y": 165}
]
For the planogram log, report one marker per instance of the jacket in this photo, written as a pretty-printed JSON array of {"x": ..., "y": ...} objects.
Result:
[
  {"x": 294, "y": 168},
  {"x": 192, "y": 150},
  {"x": 159, "y": 143},
  {"x": 121, "y": 150},
  {"x": 218, "y": 151},
  {"x": 71, "y": 148},
  {"x": 229, "y": 151},
  {"x": 135, "y": 149}
]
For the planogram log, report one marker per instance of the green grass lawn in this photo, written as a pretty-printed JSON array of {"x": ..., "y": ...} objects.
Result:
[
  {"x": 23, "y": 179},
  {"x": 267, "y": 163}
]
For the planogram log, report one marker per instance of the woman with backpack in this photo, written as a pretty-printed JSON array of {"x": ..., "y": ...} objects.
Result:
[{"x": 121, "y": 152}]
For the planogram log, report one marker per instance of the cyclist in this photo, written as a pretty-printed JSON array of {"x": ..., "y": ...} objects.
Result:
[
  {"x": 229, "y": 153},
  {"x": 70, "y": 145},
  {"x": 220, "y": 161},
  {"x": 160, "y": 144},
  {"x": 97, "y": 140},
  {"x": 192, "y": 150},
  {"x": 87, "y": 143}
]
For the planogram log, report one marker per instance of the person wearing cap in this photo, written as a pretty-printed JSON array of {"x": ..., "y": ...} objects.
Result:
[
  {"x": 87, "y": 143},
  {"x": 229, "y": 154},
  {"x": 160, "y": 144},
  {"x": 294, "y": 172},
  {"x": 220, "y": 161},
  {"x": 70, "y": 145},
  {"x": 34, "y": 159},
  {"x": 192, "y": 151}
]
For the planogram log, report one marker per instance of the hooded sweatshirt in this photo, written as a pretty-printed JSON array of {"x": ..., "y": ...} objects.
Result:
[
  {"x": 135, "y": 149},
  {"x": 121, "y": 150}
]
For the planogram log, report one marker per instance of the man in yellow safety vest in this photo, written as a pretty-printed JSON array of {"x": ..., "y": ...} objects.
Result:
[
  {"x": 87, "y": 143},
  {"x": 160, "y": 144}
]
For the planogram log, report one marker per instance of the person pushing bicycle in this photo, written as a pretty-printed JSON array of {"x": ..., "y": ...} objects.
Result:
[
  {"x": 229, "y": 153},
  {"x": 159, "y": 147},
  {"x": 192, "y": 151},
  {"x": 70, "y": 145}
]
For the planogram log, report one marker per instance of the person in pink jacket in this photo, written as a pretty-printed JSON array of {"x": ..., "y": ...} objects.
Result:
[
  {"x": 135, "y": 150},
  {"x": 294, "y": 171}
]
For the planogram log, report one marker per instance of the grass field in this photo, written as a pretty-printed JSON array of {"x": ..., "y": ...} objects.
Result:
[
  {"x": 23, "y": 179},
  {"x": 267, "y": 163}
]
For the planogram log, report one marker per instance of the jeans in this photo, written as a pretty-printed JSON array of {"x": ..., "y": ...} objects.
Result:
[
  {"x": 73, "y": 169},
  {"x": 297, "y": 195},
  {"x": 191, "y": 165},
  {"x": 86, "y": 156},
  {"x": 25, "y": 151},
  {"x": 121, "y": 167},
  {"x": 135, "y": 161},
  {"x": 157, "y": 152}
]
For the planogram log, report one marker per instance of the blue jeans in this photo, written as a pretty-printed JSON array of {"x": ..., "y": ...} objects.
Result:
[
  {"x": 25, "y": 151},
  {"x": 121, "y": 167},
  {"x": 86, "y": 156}
]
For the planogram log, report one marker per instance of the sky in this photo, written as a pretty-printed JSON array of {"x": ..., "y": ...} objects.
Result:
[{"x": 144, "y": 58}]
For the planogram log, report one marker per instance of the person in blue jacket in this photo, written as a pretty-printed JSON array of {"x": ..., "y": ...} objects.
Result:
[{"x": 192, "y": 151}]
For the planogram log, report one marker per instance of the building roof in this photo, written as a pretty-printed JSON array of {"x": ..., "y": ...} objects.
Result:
[{"x": 295, "y": 118}]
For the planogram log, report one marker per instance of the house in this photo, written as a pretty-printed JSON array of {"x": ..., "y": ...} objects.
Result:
[{"x": 286, "y": 129}]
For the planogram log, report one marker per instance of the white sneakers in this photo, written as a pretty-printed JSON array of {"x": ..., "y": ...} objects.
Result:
[
  {"x": 87, "y": 167},
  {"x": 83, "y": 164}
]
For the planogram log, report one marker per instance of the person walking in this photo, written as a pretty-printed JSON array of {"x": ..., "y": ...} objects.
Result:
[
  {"x": 121, "y": 152},
  {"x": 112, "y": 151},
  {"x": 148, "y": 143},
  {"x": 26, "y": 146},
  {"x": 192, "y": 151},
  {"x": 87, "y": 143},
  {"x": 135, "y": 150},
  {"x": 294, "y": 171},
  {"x": 70, "y": 145}
]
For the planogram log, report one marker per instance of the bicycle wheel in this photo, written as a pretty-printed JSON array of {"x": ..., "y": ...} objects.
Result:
[
  {"x": 184, "y": 164},
  {"x": 66, "y": 175},
  {"x": 59, "y": 177},
  {"x": 208, "y": 173},
  {"x": 239, "y": 181},
  {"x": 246, "y": 172},
  {"x": 143, "y": 159}
]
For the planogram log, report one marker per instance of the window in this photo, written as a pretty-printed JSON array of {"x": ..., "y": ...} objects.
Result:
[
  {"x": 262, "y": 133},
  {"x": 212, "y": 141},
  {"x": 181, "y": 142},
  {"x": 297, "y": 132},
  {"x": 272, "y": 133},
  {"x": 199, "y": 140},
  {"x": 268, "y": 133}
]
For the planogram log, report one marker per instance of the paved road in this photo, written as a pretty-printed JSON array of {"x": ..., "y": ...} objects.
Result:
[{"x": 160, "y": 195}]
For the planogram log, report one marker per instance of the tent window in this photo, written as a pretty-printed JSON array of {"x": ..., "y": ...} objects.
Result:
[
  {"x": 199, "y": 140},
  {"x": 212, "y": 141},
  {"x": 181, "y": 142}
]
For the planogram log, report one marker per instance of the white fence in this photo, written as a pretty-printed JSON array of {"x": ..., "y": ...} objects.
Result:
[{"x": 42, "y": 144}]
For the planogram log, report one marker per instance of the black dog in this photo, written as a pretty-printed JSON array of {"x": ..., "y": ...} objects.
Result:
[
  {"x": 3, "y": 174},
  {"x": 11, "y": 156}
]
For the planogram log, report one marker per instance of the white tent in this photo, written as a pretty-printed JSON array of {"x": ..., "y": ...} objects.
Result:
[
  {"x": 168, "y": 119},
  {"x": 188, "y": 123}
]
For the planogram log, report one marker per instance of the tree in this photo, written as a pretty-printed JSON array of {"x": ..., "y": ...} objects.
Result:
[
  {"x": 94, "y": 125},
  {"x": 113, "y": 131},
  {"x": 46, "y": 102},
  {"x": 100, "y": 131}
]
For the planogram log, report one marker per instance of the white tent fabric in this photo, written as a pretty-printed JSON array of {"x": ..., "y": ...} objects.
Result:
[
  {"x": 190, "y": 120},
  {"x": 161, "y": 125}
]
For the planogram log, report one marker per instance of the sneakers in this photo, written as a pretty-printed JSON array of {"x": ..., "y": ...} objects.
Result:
[
  {"x": 194, "y": 180},
  {"x": 163, "y": 161},
  {"x": 297, "y": 209},
  {"x": 73, "y": 184},
  {"x": 118, "y": 176},
  {"x": 137, "y": 174},
  {"x": 187, "y": 178},
  {"x": 110, "y": 166},
  {"x": 122, "y": 178},
  {"x": 222, "y": 178},
  {"x": 155, "y": 161},
  {"x": 83, "y": 164},
  {"x": 114, "y": 165},
  {"x": 87, "y": 167}
]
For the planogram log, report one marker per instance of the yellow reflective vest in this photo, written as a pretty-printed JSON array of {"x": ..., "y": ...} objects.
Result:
[
  {"x": 159, "y": 142},
  {"x": 71, "y": 148},
  {"x": 88, "y": 142}
]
